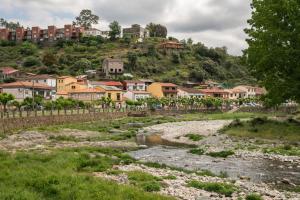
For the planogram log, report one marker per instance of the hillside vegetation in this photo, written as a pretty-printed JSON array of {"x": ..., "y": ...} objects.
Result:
[{"x": 144, "y": 60}]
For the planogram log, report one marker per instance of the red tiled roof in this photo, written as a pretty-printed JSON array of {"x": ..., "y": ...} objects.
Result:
[
  {"x": 40, "y": 76},
  {"x": 89, "y": 90},
  {"x": 133, "y": 81},
  {"x": 168, "y": 85},
  {"x": 8, "y": 70},
  {"x": 113, "y": 83},
  {"x": 140, "y": 92},
  {"x": 190, "y": 90},
  {"x": 214, "y": 90},
  {"x": 21, "y": 84}
]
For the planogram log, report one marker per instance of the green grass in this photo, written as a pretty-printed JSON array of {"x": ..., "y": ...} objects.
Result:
[
  {"x": 221, "y": 154},
  {"x": 194, "y": 137},
  {"x": 170, "y": 177},
  {"x": 147, "y": 182},
  {"x": 64, "y": 138},
  {"x": 286, "y": 150},
  {"x": 254, "y": 197},
  {"x": 220, "y": 188},
  {"x": 266, "y": 129},
  {"x": 64, "y": 174},
  {"x": 197, "y": 151}
]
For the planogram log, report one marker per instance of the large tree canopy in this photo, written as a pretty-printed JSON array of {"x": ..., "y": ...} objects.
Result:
[
  {"x": 274, "y": 48},
  {"x": 157, "y": 30},
  {"x": 115, "y": 30},
  {"x": 86, "y": 19},
  {"x": 10, "y": 25}
]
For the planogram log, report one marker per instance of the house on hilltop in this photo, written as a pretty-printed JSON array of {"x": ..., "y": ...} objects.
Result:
[{"x": 136, "y": 31}]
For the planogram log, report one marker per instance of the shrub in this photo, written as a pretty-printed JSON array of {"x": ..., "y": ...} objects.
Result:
[
  {"x": 254, "y": 197},
  {"x": 194, "y": 137},
  {"x": 197, "y": 151},
  {"x": 31, "y": 61},
  {"x": 236, "y": 123},
  {"x": 147, "y": 182},
  {"x": 151, "y": 186},
  {"x": 220, "y": 188},
  {"x": 28, "y": 49},
  {"x": 221, "y": 154},
  {"x": 258, "y": 121},
  {"x": 170, "y": 177}
]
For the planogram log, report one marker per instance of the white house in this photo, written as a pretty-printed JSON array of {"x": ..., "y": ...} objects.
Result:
[
  {"x": 136, "y": 95},
  {"x": 44, "y": 79},
  {"x": 189, "y": 92},
  {"x": 250, "y": 91},
  {"x": 131, "y": 85}
]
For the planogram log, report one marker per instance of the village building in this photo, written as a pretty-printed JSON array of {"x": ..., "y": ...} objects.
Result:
[
  {"x": 9, "y": 72},
  {"x": 112, "y": 67},
  {"x": 137, "y": 95},
  {"x": 215, "y": 92},
  {"x": 87, "y": 95},
  {"x": 132, "y": 85},
  {"x": 147, "y": 82},
  {"x": 23, "y": 89},
  {"x": 45, "y": 79},
  {"x": 250, "y": 90},
  {"x": 171, "y": 45},
  {"x": 93, "y": 84},
  {"x": 136, "y": 31},
  {"x": 112, "y": 92},
  {"x": 36, "y": 34},
  {"x": 161, "y": 90},
  {"x": 235, "y": 94},
  {"x": 189, "y": 92}
]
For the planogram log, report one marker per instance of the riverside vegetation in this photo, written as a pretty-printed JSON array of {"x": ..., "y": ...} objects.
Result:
[{"x": 78, "y": 171}]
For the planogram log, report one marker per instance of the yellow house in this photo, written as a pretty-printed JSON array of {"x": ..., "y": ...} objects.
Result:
[
  {"x": 75, "y": 86},
  {"x": 112, "y": 92},
  {"x": 161, "y": 90},
  {"x": 87, "y": 95},
  {"x": 63, "y": 81}
]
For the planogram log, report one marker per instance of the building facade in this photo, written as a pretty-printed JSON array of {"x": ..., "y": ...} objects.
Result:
[
  {"x": 136, "y": 31},
  {"x": 112, "y": 67},
  {"x": 137, "y": 95},
  {"x": 131, "y": 85},
  {"x": 87, "y": 95},
  {"x": 189, "y": 93},
  {"x": 161, "y": 90}
]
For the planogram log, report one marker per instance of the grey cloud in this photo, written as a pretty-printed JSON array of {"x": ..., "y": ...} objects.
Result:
[
  {"x": 133, "y": 11},
  {"x": 225, "y": 14}
]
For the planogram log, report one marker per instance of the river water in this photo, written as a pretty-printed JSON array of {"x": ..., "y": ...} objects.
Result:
[{"x": 272, "y": 172}]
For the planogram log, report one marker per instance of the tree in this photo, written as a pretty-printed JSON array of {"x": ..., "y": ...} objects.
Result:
[
  {"x": 28, "y": 49},
  {"x": 115, "y": 30},
  {"x": 49, "y": 58},
  {"x": 132, "y": 59},
  {"x": 157, "y": 30},
  {"x": 10, "y": 25},
  {"x": 86, "y": 19},
  {"x": 274, "y": 48},
  {"x": 5, "y": 98},
  {"x": 31, "y": 61},
  {"x": 82, "y": 65}
]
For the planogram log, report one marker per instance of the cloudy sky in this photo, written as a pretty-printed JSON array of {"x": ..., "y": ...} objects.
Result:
[{"x": 212, "y": 22}]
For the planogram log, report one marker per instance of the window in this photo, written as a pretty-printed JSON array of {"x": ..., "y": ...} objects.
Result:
[
  {"x": 45, "y": 81},
  {"x": 167, "y": 88},
  {"x": 118, "y": 96},
  {"x": 111, "y": 70},
  {"x": 173, "y": 88},
  {"x": 120, "y": 70},
  {"x": 73, "y": 87},
  {"x": 109, "y": 95}
]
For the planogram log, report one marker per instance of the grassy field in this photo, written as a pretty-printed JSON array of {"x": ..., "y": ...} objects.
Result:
[
  {"x": 66, "y": 174},
  {"x": 265, "y": 129}
]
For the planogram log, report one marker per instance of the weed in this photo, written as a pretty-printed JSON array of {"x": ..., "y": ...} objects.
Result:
[
  {"x": 220, "y": 188},
  {"x": 197, "y": 151},
  {"x": 254, "y": 197},
  {"x": 221, "y": 154},
  {"x": 170, "y": 177},
  {"x": 194, "y": 137}
]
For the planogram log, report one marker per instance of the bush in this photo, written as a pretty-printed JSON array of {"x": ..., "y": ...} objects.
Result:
[
  {"x": 254, "y": 197},
  {"x": 221, "y": 154},
  {"x": 258, "y": 121},
  {"x": 28, "y": 49},
  {"x": 194, "y": 137},
  {"x": 31, "y": 61},
  {"x": 197, "y": 151},
  {"x": 147, "y": 182},
  {"x": 152, "y": 186},
  {"x": 220, "y": 188}
]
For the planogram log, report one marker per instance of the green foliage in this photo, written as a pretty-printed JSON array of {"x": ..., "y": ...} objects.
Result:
[
  {"x": 157, "y": 30},
  {"x": 115, "y": 30},
  {"x": 194, "y": 137},
  {"x": 49, "y": 58},
  {"x": 86, "y": 19},
  {"x": 221, "y": 154},
  {"x": 5, "y": 99},
  {"x": 28, "y": 49},
  {"x": 82, "y": 65},
  {"x": 254, "y": 197},
  {"x": 220, "y": 188},
  {"x": 9, "y": 25},
  {"x": 274, "y": 47},
  {"x": 55, "y": 176},
  {"x": 147, "y": 182},
  {"x": 31, "y": 61},
  {"x": 197, "y": 151}
]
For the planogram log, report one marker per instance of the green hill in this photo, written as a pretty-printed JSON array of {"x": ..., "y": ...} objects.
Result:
[{"x": 144, "y": 60}]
